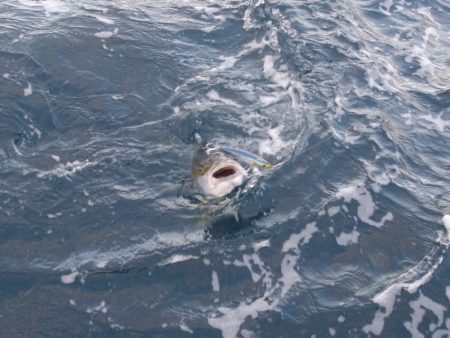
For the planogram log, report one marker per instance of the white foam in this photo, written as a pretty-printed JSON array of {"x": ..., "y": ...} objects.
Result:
[
  {"x": 281, "y": 84},
  {"x": 427, "y": 67},
  {"x": 124, "y": 255},
  {"x": 29, "y": 90},
  {"x": 106, "y": 34},
  {"x": 387, "y": 297},
  {"x": 386, "y": 79},
  {"x": 230, "y": 61},
  {"x": 381, "y": 178},
  {"x": 332, "y": 211},
  {"x": 232, "y": 318},
  {"x": 211, "y": 10},
  {"x": 55, "y": 157},
  {"x": 261, "y": 273},
  {"x": 6, "y": 75},
  {"x": 54, "y": 215},
  {"x": 116, "y": 326},
  {"x": 345, "y": 239},
  {"x": 54, "y": 6},
  {"x": 263, "y": 244},
  {"x": 101, "y": 264},
  {"x": 70, "y": 278},
  {"x": 208, "y": 29},
  {"x": 177, "y": 112},
  {"x": 341, "y": 319},
  {"x": 35, "y": 131},
  {"x": 215, "y": 282},
  {"x": 247, "y": 334},
  {"x": 426, "y": 12},
  {"x": 366, "y": 207},
  {"x": 344, "y": 136},
  {"x": 68, "y": 169},
  {"x": 279, "y": 77},
  {"x": 429, "y": 32},
  {"x": 176, "y": 259},
  {"x": 385, "y": 7},
  {"x": 248, "y": 21},
  {"x": 229, "y": 319},
  {"x": 408, "y": 118},
  {"x": 446, "y": 222},
  {"x": 29, "y": 3},
  {"x": 437, "y": 121},
  {"x": 49, "y": 6},
  {"x": 305, "y": 235},
  {"x": 373, "y": 79},
  {"x": 103, "y": 19},
  {"x": 98, "y": 308},
  {"x": 339, "y": 110},
  {"x": 285, "y": 24},
  {"x": 227, "y": 62},
  {"x": 419, "y": 308},
  {"x": 117, "y": 97},
  {"x": 214, "y": 95},
  {"x": 268, "y": 100},
  {"x": 274, "y": 144},
  {"x": 185, "y": 328}
]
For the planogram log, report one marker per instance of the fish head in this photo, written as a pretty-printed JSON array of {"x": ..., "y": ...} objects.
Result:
[{"x": 216, "y": 174}]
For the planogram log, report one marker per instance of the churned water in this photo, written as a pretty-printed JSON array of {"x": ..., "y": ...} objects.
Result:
[{"x": 99, "y": 105}]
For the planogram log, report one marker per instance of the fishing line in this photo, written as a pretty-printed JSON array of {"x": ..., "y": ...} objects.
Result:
[{"x": 302, "y": 152}]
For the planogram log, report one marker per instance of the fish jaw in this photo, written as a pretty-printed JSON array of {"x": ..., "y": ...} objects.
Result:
[{"x": 221, "y": 179}]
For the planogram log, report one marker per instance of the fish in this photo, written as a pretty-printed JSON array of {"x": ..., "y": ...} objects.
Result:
[{"x": 216, "y": 173}]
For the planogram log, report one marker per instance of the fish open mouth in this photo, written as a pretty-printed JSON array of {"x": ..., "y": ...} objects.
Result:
[{"x": 224, "y": 172}]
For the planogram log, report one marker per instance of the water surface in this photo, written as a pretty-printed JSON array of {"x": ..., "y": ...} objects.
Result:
[{"x": 100, "y": 102}]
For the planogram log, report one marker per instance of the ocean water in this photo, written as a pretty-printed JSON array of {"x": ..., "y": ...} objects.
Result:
[{"x": 100, "y": 103}]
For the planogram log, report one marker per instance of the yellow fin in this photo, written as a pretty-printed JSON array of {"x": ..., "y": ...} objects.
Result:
[{"x": 200, "y": 171}]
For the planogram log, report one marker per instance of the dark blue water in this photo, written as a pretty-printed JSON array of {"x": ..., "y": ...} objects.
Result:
[{"x": 100, "y": 102}]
